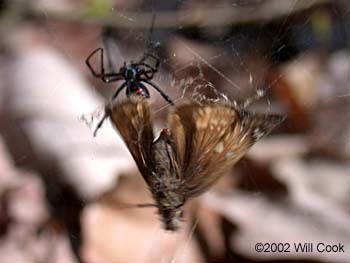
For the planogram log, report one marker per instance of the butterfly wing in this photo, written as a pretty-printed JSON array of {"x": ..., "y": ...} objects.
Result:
[
  {"x": 132, "y": 119},
  {"x": 211, "y": 138}
]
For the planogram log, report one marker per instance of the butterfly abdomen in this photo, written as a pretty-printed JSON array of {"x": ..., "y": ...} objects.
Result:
[{"x": 165, "y": 184}]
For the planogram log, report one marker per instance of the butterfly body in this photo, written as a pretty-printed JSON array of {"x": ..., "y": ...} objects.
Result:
[
  {"x": 201, "y": 144},
  {"x": 165, "y": 183}
]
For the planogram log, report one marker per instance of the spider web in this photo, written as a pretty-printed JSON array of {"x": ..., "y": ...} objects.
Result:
[
  {"x": 212, "y": 75},
  {"x": 226, "y": 73},
  {"x": 206, "y": 60}
]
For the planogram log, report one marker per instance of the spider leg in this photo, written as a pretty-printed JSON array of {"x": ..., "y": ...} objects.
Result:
[
  {"x": 166, "y": 97},
  {"x": 148, "y": 73},
  {"x": 150, "y": 55},
  {"x": 143, "y": 63},
  {"x": 118, "y": 91},
  {"x": 87, "y": 61},
  {"x": 111, "y": 77},
  {"x": 106, "y": 77},
  {"x": 105, "y": 115},
  {"x": 108, "y": 109}
]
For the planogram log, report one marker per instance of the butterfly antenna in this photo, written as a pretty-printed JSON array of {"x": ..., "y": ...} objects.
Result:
[
  {"x": 144, "y": 205},
  {"x": 125, "y": 205}
]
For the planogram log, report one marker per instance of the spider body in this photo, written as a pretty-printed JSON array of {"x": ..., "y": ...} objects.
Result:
[
  {"x": 136, "y": 77},
  {"x": 139, "y": 89},
  {"x": 132, "y": 74}
]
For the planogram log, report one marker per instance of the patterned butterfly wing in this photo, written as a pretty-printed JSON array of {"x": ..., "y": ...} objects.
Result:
[
  {"x": 211, "y": 138},
  {"x": 133, "y": 121}
]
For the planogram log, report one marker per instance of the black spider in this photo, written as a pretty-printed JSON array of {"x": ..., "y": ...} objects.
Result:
[{"x": 134, "y": 75}]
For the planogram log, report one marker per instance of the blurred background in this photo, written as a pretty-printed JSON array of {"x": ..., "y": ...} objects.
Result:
[{"x": 65, "y": 195}]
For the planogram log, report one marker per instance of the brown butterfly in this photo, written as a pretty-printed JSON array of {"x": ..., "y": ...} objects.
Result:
[{"x": 202, "y": 142}]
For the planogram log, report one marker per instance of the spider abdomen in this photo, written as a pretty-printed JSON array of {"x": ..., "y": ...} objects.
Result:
[{"x": 138, "y": 89}]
